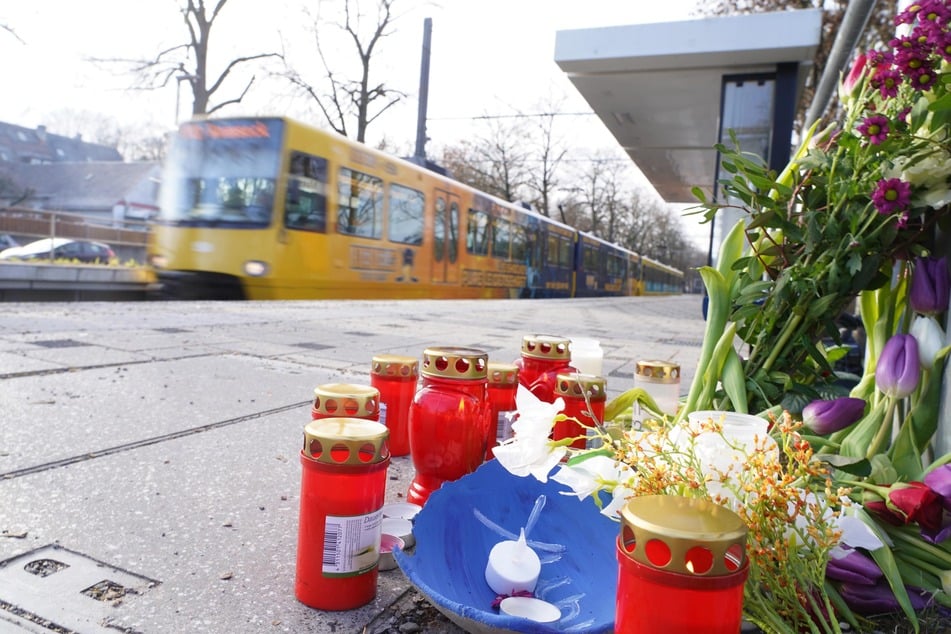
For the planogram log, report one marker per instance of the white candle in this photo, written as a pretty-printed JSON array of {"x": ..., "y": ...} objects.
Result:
[
  {"x": 586, "y": 355},
  {"x": 512, "y": 567}
]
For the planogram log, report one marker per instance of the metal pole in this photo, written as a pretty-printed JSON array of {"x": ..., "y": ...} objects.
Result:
[
  {"x": 423, "y": 91},
  {"x": 854, "y": 22}
]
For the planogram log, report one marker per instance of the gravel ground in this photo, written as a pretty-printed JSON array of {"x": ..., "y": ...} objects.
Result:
[{"x": 411, "y": 613}]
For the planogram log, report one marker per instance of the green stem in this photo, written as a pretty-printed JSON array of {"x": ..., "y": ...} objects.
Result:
[
  {"x": 784, "y": 338},
  {"x": 884, "y": 431},
  {"x": 920, "y": 563},
  {"x": 919, "y": 545}
]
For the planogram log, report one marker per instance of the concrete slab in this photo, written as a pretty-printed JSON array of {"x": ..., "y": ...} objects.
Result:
[{"x": 178, "y": 460}]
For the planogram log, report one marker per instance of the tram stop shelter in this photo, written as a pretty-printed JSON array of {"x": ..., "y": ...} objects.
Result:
[{"x": 670, "y": 91}]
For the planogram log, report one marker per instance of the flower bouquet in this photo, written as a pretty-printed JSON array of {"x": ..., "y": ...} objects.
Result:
[{"x": 848, "y": 508}]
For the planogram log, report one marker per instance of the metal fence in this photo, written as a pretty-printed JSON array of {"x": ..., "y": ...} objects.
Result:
[{"x": 34, "y": 224}]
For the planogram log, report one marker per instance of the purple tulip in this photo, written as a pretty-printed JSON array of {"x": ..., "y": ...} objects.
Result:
[
  {"x": 938, "y": 535},
  {"x": 898, "y": 369},
  {"x": 939, "y": 481},
  {"x": 854, "y": 568},
  {"x": 827, "y": 416},
  {"x": 930, "y": 286},
  {"x": 879, "y": 598}
]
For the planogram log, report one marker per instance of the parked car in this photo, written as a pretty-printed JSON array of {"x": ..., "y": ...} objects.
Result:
[{"x": 86, "y": 251}]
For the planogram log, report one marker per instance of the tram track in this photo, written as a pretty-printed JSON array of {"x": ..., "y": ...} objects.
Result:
[{"x": 146, "y": 442}]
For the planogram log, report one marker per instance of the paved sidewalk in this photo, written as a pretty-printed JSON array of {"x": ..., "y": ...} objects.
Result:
[{"x": 149, "y": 451}]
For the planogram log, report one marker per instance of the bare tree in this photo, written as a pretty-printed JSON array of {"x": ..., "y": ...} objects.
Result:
[
  {"x": 340, "y": 98},
  {"x": 188, "y": 62},
  {"x": 8, "y": 29},
  {"x": 496, "y": 162},
  {"x": 543, "y": 180}
]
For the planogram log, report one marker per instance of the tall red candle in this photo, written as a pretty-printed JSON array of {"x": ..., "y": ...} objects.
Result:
[
  {"x": 584, "y": 396},
  {"x": 396, "y": 377},
  {"x": 343, "y": 485}
]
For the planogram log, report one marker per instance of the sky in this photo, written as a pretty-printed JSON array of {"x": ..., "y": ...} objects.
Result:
[{"x": 488, "y": 57}]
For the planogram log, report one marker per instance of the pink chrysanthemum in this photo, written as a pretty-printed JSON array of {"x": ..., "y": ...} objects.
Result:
[
  {"x": 887, "y": 80},
  {"x": 875, "y": 128},
  {"x": 891, "y": 195}
]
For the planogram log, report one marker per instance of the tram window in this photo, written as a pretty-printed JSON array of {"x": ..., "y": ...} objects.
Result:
[
  {"x": 453, "y": 231},
  {"x": 477, "y": 234},
  {"x": 615, "y": 265},
  {"x": 359, "y": 204},
  {"x": 406, "y": 215},
  {"x": 590, "y": 258},
  {"x": 306, "y": 203},
  {"x": 501, "y": 238},
  {"x": 519, "y": 244},
  {"x": 559, "y": 251}
]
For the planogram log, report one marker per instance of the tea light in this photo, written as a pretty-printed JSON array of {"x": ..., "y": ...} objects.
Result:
[
  {"x": 530, "y": 608},
  {"x": 398, "y": 527},
  {"x": 512, "y": 567}
]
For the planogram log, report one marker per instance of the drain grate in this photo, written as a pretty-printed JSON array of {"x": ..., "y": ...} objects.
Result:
[
  {"x": 171, "y": 330},
  {"x": 60, "y": 343},
  {"x": 44, "y": 567},
  {"x": 107, "y": 590},
  {"x": 54, "y": 589}
]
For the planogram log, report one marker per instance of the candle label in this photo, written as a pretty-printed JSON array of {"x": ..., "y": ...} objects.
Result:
[
  {"x": 351, "y": 544},
  {"x": 382, "y": 413},
  {"x": 503, "y": 429}
]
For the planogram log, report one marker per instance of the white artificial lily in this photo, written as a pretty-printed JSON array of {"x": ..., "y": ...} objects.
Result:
[
  {"x": 930, "y": 337},
  {"x": 598, "y": 473},
  {"x": 530, "y": 451}
]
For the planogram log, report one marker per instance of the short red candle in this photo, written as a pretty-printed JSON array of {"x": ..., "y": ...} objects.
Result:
[
  {"x": 542, "y": 358},
  {"x": 681, "y": 567},
  {"x": 448, "y": 419}
]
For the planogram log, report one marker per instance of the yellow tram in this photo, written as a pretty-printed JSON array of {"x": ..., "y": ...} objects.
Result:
[{"x": 269, "y": 208}]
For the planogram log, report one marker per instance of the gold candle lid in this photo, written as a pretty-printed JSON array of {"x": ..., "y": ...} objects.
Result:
[
  {"x": 346, "y": 441},
  {"x": 658, "y": 371},
  {"x": 546, "y": 347},
  {"x": 683, "y": 535},
  {"x": 346, "y": 399},
  {"x": 394, "y": 366},
  {"x": 503, "y": 374},
  {"x": 576, "y": 385},
  {"x": 455, "y": 363}
]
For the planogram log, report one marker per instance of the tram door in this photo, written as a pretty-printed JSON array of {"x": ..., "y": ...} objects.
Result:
[{"x": 446, "y": 238}]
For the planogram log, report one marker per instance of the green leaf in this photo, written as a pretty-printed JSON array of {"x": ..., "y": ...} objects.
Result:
[
  {"x": 734, "y": 381},
  {"x": 855, "y": 466},
  {"x": 841, "y": 607},
  {"x": 886, "y": 562},
  {"x": 856, "y": 438}
]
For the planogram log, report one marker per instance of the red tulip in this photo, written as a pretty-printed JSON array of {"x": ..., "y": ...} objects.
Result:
[{"x": 908, "y": 503}]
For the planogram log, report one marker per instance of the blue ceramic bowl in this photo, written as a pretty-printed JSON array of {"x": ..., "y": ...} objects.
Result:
[{"x": 463, "y": 520}]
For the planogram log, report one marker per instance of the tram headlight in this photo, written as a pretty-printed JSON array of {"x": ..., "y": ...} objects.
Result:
[{"x": 255, "y": 268}]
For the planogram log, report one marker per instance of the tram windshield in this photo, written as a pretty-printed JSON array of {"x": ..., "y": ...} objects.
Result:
[{"x": 222, "y": 173}]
